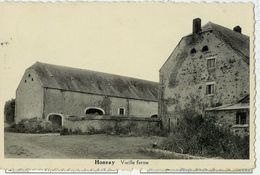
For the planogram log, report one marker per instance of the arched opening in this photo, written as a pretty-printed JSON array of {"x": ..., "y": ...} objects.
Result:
[
  {"x": 193, "y": 51},
  {"x": 205, "y": 49},
  {"x": 55, "y": 119},
  {"x": 154, "y": 116},
  {"x": 94, "y": 111}
]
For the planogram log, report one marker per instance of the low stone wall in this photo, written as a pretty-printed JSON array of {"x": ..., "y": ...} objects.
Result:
[{"x": 104, "y": 123}]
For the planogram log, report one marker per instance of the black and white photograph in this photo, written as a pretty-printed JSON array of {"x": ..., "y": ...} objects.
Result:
[{"x": 137, "y": 81}]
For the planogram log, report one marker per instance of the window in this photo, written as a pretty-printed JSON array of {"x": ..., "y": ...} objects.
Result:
[
  {"x": 210, "y": 88},
  {"x": 205, "y": 49},
  {"x": 211, "y": 62},
  {"x": 241, "y": 118},
  {"x": 121, "y": 111}
]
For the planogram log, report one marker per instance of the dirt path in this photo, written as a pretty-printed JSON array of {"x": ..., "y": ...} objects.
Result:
[{"x": 76, "y": 146}]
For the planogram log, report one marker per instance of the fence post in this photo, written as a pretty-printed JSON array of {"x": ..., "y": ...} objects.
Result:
[{"x": 169, "y": 125}]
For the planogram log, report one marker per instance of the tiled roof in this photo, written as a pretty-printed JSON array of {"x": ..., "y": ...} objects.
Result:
[{"x": 86, "y": 81}]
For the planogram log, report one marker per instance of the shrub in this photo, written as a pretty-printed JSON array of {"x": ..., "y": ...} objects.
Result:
[
  {"x": 64, "y": 131},
  {"x": 34, "y": 125},
  {"x": 126, "y": 128},
  {"x": 9, "y": 111},
  {"x": 203, "y": 137}
]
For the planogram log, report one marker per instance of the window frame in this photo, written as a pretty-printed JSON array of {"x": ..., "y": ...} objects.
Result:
[
  {"x": 239, "y": 118},
  {"x": 214, "y": 88},
  {"x": 119, "y": 111},
  {"x": 209, "y": 59}
]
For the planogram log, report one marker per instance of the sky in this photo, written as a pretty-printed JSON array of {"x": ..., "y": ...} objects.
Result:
[{"x": 130, "y": 39}]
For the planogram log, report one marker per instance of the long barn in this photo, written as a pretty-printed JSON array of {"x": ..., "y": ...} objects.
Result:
[{"x": 52, "y": 91}]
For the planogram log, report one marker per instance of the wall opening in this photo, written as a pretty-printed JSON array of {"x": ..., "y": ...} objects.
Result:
[
  {"x": 55, "y": 119},
  {"x": 193, "y": 51},
  {"x": 94, "y": 111},
  {"x": 205, "y": 49},
  {"x": 154, "y": 116},
  {"x": 241, "y": 118},
  {"x": 121, "y": 111},
  {"x": 211, "y": 63},
  {"x": 210, "y": 88}
]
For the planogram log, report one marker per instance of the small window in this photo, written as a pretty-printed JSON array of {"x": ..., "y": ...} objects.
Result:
[
  {"x": 25, "y": 81},
  {"x": 29, "y": 75},
  {"x": 241, "y": 118},
  {"x": 32, "y": 79},
  {"x": 193, "y": 51},
  {"x": 121, "y": 111},
  {"x": 210, "y": 89},
  {"x": 211, "y": 63},
  {"x": 205, "y": 49}
]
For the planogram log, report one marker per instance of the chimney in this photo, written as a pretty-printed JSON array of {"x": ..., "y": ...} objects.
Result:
[
  {"x": 237, "y": 29},
  {"x": 196, "y": 26}
]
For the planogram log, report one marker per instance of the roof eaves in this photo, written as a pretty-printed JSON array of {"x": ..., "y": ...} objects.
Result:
[{"x": 85, "y": 92}]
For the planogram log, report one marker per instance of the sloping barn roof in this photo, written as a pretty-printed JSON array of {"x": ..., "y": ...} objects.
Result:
[
  {"x": 230, "y": 107},
  {"x": 86, "y": 81},
  {"x": 241, "y": 104}
]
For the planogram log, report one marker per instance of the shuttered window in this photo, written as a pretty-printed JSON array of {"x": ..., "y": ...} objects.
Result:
[{"x": 211, "y": 63}]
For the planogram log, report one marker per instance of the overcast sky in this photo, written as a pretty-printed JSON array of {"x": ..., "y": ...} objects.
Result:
[{"x": 131, "y": 39}]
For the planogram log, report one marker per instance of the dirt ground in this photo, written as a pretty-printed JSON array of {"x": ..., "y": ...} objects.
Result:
[{"x": 18, "y": 145}]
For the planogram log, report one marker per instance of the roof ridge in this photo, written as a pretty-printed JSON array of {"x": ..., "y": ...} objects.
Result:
[
  {"x": 213, "y": 25},
  {"x": 92, "y": 82},
  {"x": 93, "y": 71}
]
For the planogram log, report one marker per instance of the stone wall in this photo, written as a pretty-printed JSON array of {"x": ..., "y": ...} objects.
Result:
[
  {"x": 75, "y": 103},
  {"x": 184, "y": 76},
  {"x": 29, "y": 97},
  {"x": 102, "y": 123}
]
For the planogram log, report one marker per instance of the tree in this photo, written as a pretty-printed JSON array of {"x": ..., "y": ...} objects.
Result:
[{"x": 9, "y": 111}]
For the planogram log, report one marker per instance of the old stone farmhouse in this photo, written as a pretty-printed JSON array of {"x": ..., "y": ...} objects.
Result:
[
  {"x": 207, "y": 71},
  {"x": 52, "y": 92}
]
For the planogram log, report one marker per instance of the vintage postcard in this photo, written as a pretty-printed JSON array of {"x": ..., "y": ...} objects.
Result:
[{"x": 109, "y": 86}]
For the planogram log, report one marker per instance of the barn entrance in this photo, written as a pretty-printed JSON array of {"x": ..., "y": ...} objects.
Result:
[
  {"x": 55, "y": 119},
  {"x": 94, "y": 111}
]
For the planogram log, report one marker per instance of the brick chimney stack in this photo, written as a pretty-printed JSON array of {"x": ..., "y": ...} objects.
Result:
[
  {"x": 237, "y": 29},
  {"x": 196, "y": 26}
]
